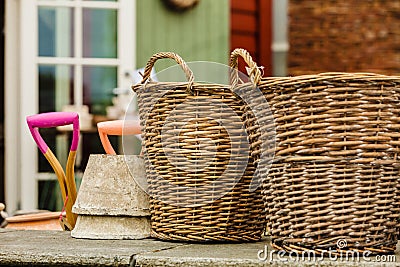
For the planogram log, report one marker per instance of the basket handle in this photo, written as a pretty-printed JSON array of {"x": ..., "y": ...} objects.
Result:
[
  {"x": 178, "y": 59},
  {"x": 253, "y": 70}
]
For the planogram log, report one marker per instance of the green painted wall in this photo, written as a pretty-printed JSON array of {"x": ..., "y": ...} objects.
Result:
[{"x": 199, "y": 34}]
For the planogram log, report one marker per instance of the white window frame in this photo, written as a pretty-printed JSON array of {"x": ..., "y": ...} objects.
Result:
[
  {"x": 21, "y": 83},
  {"x": 280, "y": 42}
]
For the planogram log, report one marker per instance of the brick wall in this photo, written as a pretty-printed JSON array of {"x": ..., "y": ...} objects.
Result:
[{"x": 344, "y": 35}]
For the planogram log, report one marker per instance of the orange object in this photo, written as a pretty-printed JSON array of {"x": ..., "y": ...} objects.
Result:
[
  {"x": 116, "y": 127},
  {"x": 36, "y": 221}
]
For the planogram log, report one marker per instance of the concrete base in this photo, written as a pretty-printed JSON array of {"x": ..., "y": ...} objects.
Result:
[
  {"x": 113, "y": 185},
  {"x": 111, "y": 227},
  {"x": 112, "y": 202}
]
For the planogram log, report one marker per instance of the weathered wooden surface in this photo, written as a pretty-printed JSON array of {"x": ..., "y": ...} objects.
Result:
[{"x": 199, "y": 34}]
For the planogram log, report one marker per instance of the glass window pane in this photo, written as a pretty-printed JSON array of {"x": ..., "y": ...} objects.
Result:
[
  {"x": 55, "y": 32},
  {"x": 99, "y": 33},
  {"x": 55, "y": 87},
  {"x": 98, "y": 85},
  {"x": 50, "y": 197},
  {"x": 55, "y": 91}
]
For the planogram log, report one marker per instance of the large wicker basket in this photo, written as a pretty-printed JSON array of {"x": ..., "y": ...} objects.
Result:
[
  {"x": 197, "y": 164},
  {"x": 334, "y": 181}
]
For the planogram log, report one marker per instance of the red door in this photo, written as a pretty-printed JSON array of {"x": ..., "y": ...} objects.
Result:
[{"x": 251, "y": 29}]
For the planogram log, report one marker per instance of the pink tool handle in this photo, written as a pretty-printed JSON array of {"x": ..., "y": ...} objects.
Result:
[
  {"x": 53, "y": 119},
  {"x": 117, "y": 127}
]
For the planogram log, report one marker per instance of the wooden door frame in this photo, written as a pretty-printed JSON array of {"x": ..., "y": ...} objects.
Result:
[
  {"x": 263, "y": 34},
  {"x": 265, "y": 40}
]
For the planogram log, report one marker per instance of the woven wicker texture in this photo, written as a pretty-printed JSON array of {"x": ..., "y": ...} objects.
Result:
[
  {"x": 335, "y": 175},
  {"x": 197, "y": 163},
  {"x": 257, "y": 116},
  {"x": 345, "y": 36}
]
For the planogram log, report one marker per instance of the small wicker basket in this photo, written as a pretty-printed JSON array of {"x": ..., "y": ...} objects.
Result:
[
  {"x": 334, "y": 181},
  {"x": 197, "y": 164}
]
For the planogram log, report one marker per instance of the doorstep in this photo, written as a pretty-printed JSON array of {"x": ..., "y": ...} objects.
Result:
[{"x": 58, "y": 248}]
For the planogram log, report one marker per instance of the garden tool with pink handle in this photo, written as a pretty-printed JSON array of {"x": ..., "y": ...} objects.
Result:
[
  {"x": 116, "y": 127},
  {"x": 66, "y": 179}
]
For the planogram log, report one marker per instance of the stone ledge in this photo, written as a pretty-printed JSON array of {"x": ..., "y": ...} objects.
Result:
[
  {"x": 57, "y": 248},
  {"x": 218, "y": 255}
]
